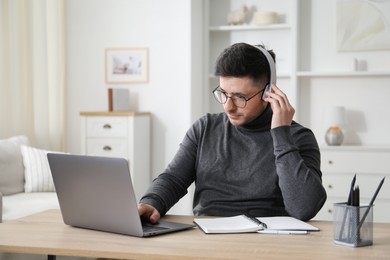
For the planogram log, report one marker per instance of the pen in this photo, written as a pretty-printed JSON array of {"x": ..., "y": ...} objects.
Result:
[
  {"x": 348, "y": 203},
  {"x": 283, "y": 232},
  {"x": 371, "y": 203},
  {"x": 351, "y": 190},
  {"x": 355, "y": 214},
  {"x": 355, "y": 197},
  {"x": 260, "y": 223}
]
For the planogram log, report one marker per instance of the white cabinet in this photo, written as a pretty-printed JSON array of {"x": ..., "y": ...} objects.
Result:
[
  {"x": 369, "y": 163},
  {"x": 120, "y": 134}
]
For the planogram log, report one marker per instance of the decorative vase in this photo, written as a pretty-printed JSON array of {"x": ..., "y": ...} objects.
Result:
[{"x": 334, "y": 135}]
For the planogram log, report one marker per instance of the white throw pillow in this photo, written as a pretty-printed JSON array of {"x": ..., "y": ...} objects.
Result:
[
  {"x": 11, "y": 165},
  {"x": 37, "y": 172}
]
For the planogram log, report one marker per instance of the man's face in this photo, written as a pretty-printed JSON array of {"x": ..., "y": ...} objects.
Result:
[{"x": 244, "y": 87}]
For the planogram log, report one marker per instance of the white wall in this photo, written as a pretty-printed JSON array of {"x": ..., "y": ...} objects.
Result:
[{"x": 164, "y": 27}]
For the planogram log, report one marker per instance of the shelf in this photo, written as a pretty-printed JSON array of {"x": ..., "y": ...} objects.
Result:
[
  {"x": 344, "y": 148},
  {"x": 247, "y": 27},
  {"x": 343, "y": 74},
  {"x": 279, "y": 75},
  {"x": 114, "y": 113}
]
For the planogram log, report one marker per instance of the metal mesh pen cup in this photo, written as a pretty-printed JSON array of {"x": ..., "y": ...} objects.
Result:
[{"x": 352, "y": 225}]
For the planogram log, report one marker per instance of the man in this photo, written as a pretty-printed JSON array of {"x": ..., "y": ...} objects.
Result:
[{"x": 252, "y": 159}]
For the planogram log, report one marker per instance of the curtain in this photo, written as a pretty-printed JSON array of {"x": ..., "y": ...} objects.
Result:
[{"x": 32, "y": 71}]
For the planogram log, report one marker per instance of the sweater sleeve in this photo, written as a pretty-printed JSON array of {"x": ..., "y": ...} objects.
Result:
[
  {"x": 298, "y": 164},
  {"x": 171, "y": 185}
]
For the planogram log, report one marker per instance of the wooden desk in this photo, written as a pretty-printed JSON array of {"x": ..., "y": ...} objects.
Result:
[{"x": 45, "y": 233}]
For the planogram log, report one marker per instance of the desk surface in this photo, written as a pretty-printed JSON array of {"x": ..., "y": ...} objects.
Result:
[{"x": 45, "y": 233}]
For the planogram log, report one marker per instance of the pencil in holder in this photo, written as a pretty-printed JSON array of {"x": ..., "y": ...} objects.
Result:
[{"x": 352, "y": 225}]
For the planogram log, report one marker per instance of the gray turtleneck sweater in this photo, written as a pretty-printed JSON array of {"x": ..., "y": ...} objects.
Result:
[{"x": 249, "y": 169}]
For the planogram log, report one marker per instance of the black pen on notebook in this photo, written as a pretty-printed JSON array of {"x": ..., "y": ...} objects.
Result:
[
  {"x": 371, "y": 203},
  {"x": 260, "y": 223}
]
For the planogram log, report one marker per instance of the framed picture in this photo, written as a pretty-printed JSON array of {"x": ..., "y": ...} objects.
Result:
[{"x": 127, "y": 65}]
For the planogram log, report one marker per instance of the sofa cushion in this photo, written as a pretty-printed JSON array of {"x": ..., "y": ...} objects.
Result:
[
  {"x": 37, "y": 172},
  {"x": 11, "y": 165},
  {"x": 24, "y": 204}
]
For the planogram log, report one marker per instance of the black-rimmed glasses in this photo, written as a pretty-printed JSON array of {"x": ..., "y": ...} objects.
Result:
[{"x": 238, "y": 100}]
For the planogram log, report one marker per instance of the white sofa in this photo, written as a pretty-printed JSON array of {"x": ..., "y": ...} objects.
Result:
[{"x": 26, "y": 186}]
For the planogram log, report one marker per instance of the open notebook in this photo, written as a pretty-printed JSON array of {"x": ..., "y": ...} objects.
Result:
[{"x": 243, "y": 224}]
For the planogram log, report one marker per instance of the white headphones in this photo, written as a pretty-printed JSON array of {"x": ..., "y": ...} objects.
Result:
[{"x": 272, "y": 68}]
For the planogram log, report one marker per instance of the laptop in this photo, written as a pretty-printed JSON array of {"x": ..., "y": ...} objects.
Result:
[{"x": 97, "y": 193}]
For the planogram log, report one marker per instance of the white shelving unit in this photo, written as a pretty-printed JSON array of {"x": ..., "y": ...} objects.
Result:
[
  {"x": 219, "y": 35},
  {"x": 314, "y": 74},
  {"x": 326, "y": 76},
  {"x": 310, "y": 69}
]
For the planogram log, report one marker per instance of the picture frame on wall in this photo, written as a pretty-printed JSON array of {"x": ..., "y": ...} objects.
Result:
[{"x": 126, "y": 65}]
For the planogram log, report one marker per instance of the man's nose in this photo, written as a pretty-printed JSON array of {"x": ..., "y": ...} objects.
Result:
[{"x": 230, "y": 105}]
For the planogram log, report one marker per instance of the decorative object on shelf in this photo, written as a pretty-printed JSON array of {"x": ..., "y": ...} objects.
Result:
[
  {"x": 336, "y": 117},
  {"x": 265, "y": 17},
  {"x": 118, "y": 100},
  {"x": 355, "y": 64},
  {"x": 126, "y": 65},
  {"x": 238, "y": 16},
  {"x": 359, "y": 65}
]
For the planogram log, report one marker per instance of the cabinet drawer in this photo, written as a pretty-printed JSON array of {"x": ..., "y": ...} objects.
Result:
[
  {"x": 339, "y": 186},
  {"x": 107, "y": 147},
  {"x": 106, "y": 127},
  {"x": 356, "y": 161}
]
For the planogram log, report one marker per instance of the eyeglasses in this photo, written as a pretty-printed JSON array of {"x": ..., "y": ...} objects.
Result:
[{"x": 239, "y": 101}]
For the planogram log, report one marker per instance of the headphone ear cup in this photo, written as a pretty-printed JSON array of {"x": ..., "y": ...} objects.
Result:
[{"x": 266, "y": 89}]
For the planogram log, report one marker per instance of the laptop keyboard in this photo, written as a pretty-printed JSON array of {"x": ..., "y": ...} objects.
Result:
[{"x": 149, "y": 228}]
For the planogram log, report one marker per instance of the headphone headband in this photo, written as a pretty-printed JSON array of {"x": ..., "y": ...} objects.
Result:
[{"x": 271, "y": 64}]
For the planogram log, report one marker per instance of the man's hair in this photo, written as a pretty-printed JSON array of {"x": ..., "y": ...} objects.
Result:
[{"x": 244, "y": 60}]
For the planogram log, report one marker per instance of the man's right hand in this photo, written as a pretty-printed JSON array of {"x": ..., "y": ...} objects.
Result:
[{"x": 148, "y": 213}]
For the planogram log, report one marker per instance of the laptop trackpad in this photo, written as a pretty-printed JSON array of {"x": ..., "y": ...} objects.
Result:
[
  {"x": 163, "y": 227},
  {"x": 148, "y": 227}
]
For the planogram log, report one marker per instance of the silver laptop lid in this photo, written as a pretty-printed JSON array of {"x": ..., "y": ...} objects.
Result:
[{"x": 96, "y": 193}]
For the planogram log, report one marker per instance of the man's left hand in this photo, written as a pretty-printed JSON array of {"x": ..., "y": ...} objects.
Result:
[{"x": 283, "y": 112}]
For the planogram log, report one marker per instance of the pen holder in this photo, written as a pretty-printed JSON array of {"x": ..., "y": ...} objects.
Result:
[{"x": 348, "y": 228}]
